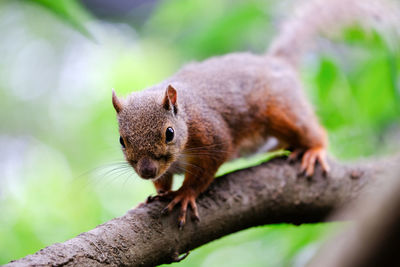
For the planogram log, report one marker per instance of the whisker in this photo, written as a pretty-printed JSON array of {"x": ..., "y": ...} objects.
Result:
[
  {"x": 211, "y": 155},
  {"x": 207, "y": 146},
  {"x": 116, "y": 164},
  {"x": 113, "y": 171},
  {"x": 184, "y": 170},
  {"x": 203, "y": 153},
  {"x": 205, "y": 150},
  {"x": 191, "y": 165}
]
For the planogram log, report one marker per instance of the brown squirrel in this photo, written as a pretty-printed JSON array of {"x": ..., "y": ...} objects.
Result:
[{"x": 213, "y": 111}]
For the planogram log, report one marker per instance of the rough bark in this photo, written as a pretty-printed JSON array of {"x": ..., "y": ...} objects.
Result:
[
  {"x": 270, "y": 193},
  {"x": 373, "y": 238}
]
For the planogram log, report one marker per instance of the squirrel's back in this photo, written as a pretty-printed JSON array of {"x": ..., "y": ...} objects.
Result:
[
  {"x": 232, "y": 93},
  {"x": 231, "y": 81}
]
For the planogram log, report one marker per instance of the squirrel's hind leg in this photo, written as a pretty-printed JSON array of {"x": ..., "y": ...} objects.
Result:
[
  {"x": 311, "y": 157},
  {"x": 301, "y": 130}
]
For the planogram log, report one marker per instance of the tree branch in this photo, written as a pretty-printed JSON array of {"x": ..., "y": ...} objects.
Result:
[
  {"x": 373, "y": 237},
  {"x": 270, "y": 193}
]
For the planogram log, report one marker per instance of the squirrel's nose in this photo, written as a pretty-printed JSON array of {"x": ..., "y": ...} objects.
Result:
[{"x": 147, "y": 168}]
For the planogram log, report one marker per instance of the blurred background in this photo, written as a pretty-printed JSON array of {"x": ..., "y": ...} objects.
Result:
[{"x": 59, "y": 150}]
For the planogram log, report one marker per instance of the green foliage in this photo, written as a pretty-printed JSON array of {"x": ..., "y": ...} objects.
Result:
[
  {"x": 68, "y": 10},
  {"x": 242, "y": 163},
  {"x": 359, "y": 102},
  {"x": 276, "y": 245},
  {"x": 200, "y": 32},
  {"x": 61, "y": 169}
]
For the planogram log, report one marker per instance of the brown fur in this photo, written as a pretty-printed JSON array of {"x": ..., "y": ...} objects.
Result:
[
  {"x": 219, "y": 108},
  {"x": 225, "y": 106}
]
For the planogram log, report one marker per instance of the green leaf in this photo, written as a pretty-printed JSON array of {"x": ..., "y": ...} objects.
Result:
[{"x": 243, "y": 163}]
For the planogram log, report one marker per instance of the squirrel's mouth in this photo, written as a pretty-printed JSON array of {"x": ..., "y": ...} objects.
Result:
[
  {"x": 150, "y": 169},
  {"x": 163, "y": 168},
  {"x": 147, "y": 168},
  {"x": 152, "y": 178},
  {"x": 147, "y": 176},
  {"x": 151, "y": 173}
]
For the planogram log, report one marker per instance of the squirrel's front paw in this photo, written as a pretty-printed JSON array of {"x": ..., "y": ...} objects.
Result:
[
  {"x": 185, "y": 197},
  {"x": 167, "y": 195}
]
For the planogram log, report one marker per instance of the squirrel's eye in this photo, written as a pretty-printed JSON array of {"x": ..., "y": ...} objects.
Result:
[
  {"x": 169, "y": 134},
  {"x": 121, "y": 141}
]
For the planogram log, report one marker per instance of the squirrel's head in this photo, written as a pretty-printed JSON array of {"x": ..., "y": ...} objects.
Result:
[{"x": 152, "y": 130}]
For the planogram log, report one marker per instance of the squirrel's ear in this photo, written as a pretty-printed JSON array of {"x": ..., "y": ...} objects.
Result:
[
  {"x": 170, "y": 99},
  {"x": 116, "y": 103}
]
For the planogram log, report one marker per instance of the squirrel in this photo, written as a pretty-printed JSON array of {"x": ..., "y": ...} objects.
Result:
[{"x": 212, "y": 111}]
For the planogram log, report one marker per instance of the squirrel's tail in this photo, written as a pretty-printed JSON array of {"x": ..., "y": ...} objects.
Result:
[{"x": 322, "y": 16}]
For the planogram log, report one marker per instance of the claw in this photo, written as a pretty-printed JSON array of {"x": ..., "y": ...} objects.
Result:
[
  {"x": 294, "y": 155},
  {"x": 195, "y": 218},
  {"x": 162, "y": 195},
  {"x": 195, "y": 214},
  {"x": 181, "y": 224},
  {"x": 183, "y": 256},
  {"x": 176, "y": 258},
  {"x": 165, "y": 211},
  {"x": 185, "y": 198},
  {"x": 150, "y": 199},
  {"x": 311, "y": 157}
]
